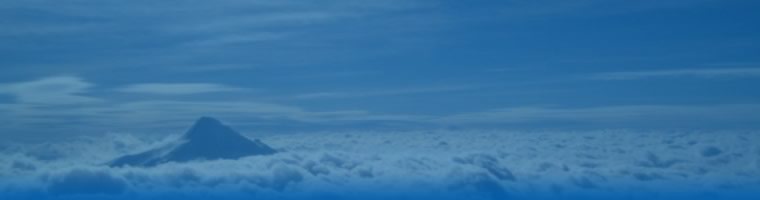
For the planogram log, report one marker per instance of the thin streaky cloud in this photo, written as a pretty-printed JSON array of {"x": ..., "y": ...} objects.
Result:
[
  {"x": 390, "y": 92},
  {"x": 606, "y": 114},
  {"x": 237, "y": 39},
  {"x": 693, "y": 73},
  {"x": 55, "y": 90},
  {"x": 178, "y": 88},
  {"x": 235, "y": 23}
]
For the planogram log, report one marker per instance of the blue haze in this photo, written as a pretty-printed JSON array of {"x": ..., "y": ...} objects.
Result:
[
  {"x": 407, "y": 61},
  {"x": 78, "y": 68}
]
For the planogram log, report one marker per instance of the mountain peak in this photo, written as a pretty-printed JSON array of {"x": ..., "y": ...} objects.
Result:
[
  {"x": 207, "y": 139},
  {"x": 206, "y": 120},
  {"x": 208, "y": 127}
]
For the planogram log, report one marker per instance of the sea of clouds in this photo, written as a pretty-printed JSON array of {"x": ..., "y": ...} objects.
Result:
[{"x": 403, "y": 165}]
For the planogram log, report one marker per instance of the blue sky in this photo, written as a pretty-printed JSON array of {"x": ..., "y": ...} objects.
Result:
[{"x": 143, "y": 66}]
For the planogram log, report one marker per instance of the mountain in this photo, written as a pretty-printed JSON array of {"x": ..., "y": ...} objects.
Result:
[{"x": 208, "y": 139}]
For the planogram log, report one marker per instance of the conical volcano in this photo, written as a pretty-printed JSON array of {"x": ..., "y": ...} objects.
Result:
[{"x": 208, "y": 139}]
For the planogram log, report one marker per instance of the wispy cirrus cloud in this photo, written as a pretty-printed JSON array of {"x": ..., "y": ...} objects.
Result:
[
  {"x": 221, "y": 20},
  {"x": 387, "y": 92},
  {"x": 627, "y": 115},
  {"x": 64, "y": 104},
  {"x": 692, "y": 73},
  {"x": 51, "y": 90},
  {"x": 238, "y": 39},
  {"x": 178, "y": 88}
]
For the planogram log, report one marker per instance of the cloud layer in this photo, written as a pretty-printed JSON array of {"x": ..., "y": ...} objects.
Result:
[{"x": 415, "y": 165}]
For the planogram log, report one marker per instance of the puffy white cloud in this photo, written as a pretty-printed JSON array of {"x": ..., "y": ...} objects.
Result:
[
  {"x": 81, "y": 181},
  {"x": 430, "y": 164}
]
